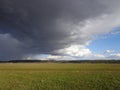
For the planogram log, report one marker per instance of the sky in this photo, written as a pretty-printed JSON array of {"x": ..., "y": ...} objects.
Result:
[{"x": 59, "y": 29}]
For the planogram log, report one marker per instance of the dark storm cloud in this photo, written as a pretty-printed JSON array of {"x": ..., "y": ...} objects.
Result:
[
  {"x": 10, "y": 48},
  {"x": 35, "y": 23}
]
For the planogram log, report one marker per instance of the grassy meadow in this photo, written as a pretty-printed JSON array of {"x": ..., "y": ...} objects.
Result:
[{"x": 59, "y": 76}]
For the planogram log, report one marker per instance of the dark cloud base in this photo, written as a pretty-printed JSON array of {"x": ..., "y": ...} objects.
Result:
[{"x": 33, "y": 23}]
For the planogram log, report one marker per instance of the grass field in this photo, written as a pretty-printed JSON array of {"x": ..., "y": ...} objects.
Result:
[{"x": 59, "y": 76}]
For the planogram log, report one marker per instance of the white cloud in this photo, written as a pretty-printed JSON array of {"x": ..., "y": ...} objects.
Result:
[
  {"x": 113, "y": 56},
  {"x": 48, "y": 57},
  {"x": 95, "y": 26},
  {"x": 109, "y": 51},
  {"x": 75, "y": 56},
  {"x": 115, "y": 33},
  {"x": 75, "y": 50}
]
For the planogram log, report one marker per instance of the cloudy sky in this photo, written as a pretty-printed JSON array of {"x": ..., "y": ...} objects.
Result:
[{"x": 59, "y": 29}]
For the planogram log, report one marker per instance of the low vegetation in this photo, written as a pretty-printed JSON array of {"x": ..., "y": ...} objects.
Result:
[{"x": 59, "y": 76}]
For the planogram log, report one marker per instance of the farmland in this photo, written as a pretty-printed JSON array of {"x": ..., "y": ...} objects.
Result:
[{"x": 59, "y": 76}]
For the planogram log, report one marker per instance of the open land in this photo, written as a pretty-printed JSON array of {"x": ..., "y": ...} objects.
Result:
[{"x": 59, "y": 76}]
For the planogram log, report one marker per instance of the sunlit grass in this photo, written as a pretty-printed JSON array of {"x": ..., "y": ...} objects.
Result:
[{"x": 59, "y": 76}]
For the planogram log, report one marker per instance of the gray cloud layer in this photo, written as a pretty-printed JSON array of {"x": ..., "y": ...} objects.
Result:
[{"x": 42, "y": 26}]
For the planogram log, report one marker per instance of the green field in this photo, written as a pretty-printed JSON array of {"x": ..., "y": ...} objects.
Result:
[{"x": 59, "y": 76}]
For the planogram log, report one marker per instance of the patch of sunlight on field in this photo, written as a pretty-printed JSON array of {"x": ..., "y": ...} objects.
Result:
[{"x": 59, "y": 76}]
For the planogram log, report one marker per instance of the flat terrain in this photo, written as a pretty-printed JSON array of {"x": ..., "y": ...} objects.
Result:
[{"x": 59, "y": 76}]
